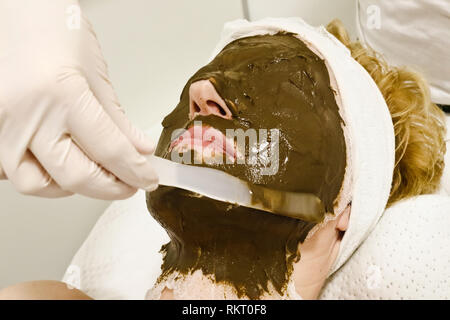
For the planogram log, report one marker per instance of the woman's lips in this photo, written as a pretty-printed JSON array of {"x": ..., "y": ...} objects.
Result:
[{"x": 206, "y": 141}]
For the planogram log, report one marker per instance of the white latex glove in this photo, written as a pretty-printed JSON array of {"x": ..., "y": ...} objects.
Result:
[{"x": 62, "y": 130}]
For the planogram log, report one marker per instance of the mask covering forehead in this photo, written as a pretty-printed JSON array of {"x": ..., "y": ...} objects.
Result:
[{"x": 267, "y": 81}]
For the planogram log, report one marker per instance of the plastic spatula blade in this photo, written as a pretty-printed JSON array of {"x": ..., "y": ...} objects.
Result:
[{"x": 218, "y": 185}]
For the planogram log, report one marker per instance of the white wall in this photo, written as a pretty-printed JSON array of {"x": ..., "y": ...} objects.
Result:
[
  {"x": 151, "y": 47},
  {"x": 38, "y": 237}
]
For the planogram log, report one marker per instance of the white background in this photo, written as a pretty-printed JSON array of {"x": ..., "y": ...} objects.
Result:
[{"x": 152, "y": 47}]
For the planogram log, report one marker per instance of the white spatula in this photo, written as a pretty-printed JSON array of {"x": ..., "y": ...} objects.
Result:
[{"x": 218, "y": 185}]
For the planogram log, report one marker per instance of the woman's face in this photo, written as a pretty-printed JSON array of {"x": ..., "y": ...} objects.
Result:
[
  {"x": 269, "y": 82},
  {"x": 261, "y": 83}
]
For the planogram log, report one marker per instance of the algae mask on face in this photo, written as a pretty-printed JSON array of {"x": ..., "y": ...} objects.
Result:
[{"x": 269, "y": 81}]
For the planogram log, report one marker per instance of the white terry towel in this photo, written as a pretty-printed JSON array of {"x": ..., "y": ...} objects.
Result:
[
  {"x": 405, "y": 257},
  {"x": 119, "y": 259}
]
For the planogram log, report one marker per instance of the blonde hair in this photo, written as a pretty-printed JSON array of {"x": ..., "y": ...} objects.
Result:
[{"x": 419, "y": 124}]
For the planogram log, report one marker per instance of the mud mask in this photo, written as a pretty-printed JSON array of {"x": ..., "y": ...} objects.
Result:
[{"x": 271, "y": 81}]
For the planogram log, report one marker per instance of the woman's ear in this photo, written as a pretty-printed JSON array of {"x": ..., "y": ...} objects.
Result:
[{"x": 344, "y": 218}]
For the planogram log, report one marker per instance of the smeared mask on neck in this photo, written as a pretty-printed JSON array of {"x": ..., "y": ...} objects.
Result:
[{"x": 270, "y": 81}]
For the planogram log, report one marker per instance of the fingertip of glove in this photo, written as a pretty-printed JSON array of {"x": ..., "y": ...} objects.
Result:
[{"x": 152, "y": 186}]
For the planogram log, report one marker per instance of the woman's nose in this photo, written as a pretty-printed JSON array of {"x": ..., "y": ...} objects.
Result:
[{"x": 204, "y": 100}]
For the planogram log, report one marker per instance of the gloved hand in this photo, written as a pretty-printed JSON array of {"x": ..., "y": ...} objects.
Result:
[{"x": 62, "y": 130}]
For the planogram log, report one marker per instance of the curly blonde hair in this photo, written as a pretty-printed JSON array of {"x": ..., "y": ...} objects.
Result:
[{"x": 419, "y": 124}]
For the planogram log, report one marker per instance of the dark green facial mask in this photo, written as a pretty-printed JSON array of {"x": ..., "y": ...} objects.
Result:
[{"x": 271, "y": 81}]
